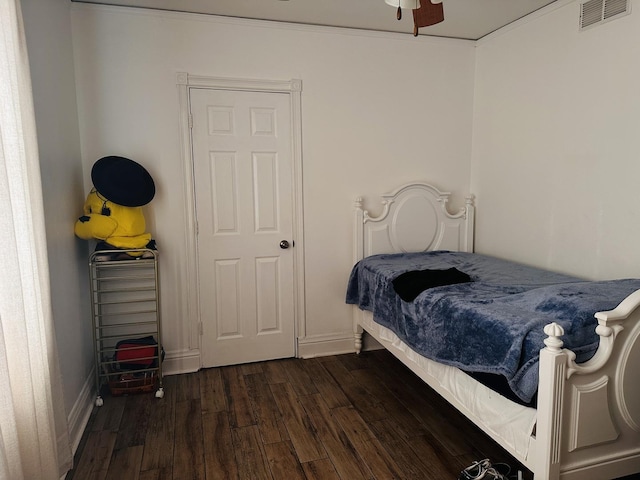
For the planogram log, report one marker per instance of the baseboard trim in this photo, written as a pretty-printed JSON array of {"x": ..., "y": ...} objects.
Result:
[
  {"x": 322, "y": 345},
  {"x": 78, "y": 418},
  {"x": 181, "y": 361}
]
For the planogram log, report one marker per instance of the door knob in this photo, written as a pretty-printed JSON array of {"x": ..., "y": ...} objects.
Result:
[{"x": 284, "y": 244}]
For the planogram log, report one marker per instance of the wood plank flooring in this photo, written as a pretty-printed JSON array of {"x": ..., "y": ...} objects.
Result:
[{"x": 340, "y": 417}]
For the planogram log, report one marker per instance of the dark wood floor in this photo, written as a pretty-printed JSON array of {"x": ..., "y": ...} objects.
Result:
[{"x": 339, "y": 417}]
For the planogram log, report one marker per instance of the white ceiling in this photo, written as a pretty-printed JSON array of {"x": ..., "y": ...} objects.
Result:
[{"x": 468, "y": 19}]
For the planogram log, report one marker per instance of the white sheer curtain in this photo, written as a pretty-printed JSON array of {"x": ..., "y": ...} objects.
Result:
[{"x": 34, "y": 439}]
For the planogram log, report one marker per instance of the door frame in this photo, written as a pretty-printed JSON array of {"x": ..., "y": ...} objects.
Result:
[{"x": 185, "y": 83}]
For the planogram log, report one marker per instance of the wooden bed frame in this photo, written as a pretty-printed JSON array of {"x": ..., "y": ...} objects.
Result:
[{"x": 587, "y": 423}]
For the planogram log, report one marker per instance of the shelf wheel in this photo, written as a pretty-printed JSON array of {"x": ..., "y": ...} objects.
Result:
[
  {"x": 160, "y": 393},
  {"x": 99, "y": 401}
]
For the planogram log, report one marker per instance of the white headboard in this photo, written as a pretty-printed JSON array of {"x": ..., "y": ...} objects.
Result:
[{"x": 414, "y": 219}]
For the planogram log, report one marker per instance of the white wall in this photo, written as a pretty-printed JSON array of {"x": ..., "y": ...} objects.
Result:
[
  {"x": 48, "y": 32},
  {"x": 378, "y": 110},
  {"x": 556, "y": 143}
]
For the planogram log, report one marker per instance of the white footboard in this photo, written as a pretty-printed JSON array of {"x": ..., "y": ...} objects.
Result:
[{"x": 589, "y": 414}]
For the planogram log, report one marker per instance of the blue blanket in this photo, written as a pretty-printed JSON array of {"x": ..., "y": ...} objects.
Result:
[{"x": 493, "y": 324}]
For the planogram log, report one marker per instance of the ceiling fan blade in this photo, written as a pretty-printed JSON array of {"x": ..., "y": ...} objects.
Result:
[{"x": 428, "y": 14}]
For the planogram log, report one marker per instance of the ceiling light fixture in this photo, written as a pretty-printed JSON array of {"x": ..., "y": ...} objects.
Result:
[
  {"x": 425, "y": 12},
  {"x": 412, "y": 4}
]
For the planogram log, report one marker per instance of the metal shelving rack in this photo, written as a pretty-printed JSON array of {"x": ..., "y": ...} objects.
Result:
[{"x": 125, "y": 304}]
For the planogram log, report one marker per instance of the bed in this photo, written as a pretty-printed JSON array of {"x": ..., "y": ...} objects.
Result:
[{"x": 585, "y": 421}]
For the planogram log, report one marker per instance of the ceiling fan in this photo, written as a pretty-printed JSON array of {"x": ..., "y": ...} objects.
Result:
[{"x": 425, "y": 12}]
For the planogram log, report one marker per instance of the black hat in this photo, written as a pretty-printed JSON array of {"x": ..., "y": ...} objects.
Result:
[{"x": 123, "y": 181}]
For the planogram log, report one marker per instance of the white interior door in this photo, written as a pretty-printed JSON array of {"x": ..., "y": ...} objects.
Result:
[{"x": 244, "y": 208}]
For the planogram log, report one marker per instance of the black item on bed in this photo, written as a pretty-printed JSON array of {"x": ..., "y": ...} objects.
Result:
[{"x": 411, "y": 284}]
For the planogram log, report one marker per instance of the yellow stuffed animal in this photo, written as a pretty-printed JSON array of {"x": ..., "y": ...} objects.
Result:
[{"x": 113, "y": 209}]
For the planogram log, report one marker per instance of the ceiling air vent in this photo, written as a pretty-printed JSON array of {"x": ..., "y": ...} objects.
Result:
[{"x": 595, "y": 12}]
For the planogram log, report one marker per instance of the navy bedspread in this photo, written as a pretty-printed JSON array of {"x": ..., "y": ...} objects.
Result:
[{"x": 494, "y": 324}]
